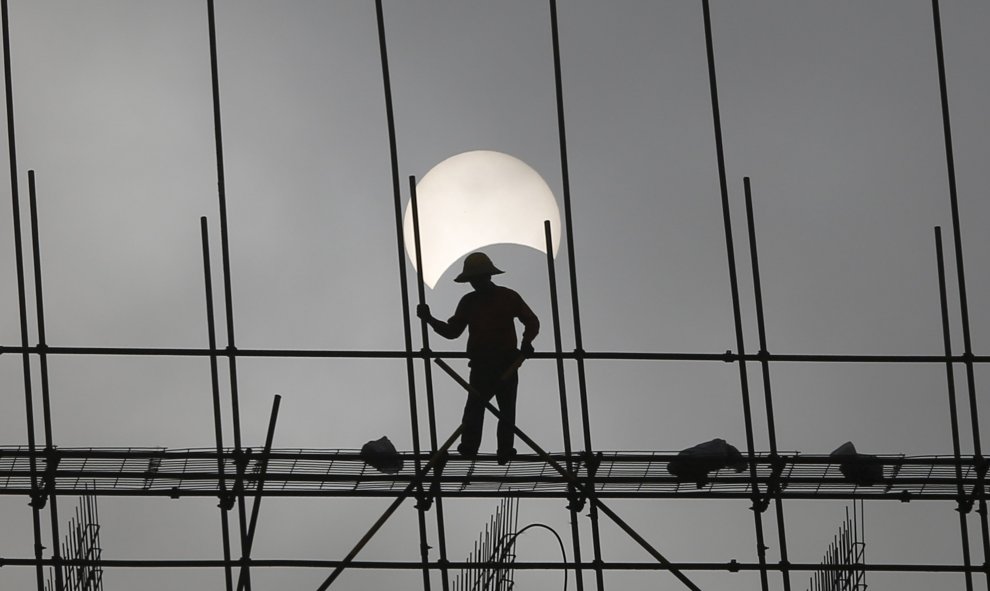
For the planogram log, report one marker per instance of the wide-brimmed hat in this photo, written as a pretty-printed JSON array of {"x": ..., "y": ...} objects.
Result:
[{"x": 477, "y": 264}]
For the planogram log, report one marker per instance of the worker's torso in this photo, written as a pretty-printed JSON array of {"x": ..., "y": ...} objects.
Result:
[{"x": 490, "y": 315}]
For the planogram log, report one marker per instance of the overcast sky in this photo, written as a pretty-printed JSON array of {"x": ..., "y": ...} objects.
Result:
[{"x": 831, "y": 107}]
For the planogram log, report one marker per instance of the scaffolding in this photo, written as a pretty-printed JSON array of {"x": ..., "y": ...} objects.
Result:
[{"x": 582, "y": 475}]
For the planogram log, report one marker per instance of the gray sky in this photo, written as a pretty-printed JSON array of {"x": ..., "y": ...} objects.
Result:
[{"x": 831, "y": 108}]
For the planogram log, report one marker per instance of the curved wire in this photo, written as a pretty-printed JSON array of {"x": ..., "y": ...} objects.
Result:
[{"x": 560, "y": 542}]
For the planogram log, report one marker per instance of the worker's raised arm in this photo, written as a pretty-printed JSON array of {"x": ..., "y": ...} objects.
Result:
[{"x": 453, "y": 328}]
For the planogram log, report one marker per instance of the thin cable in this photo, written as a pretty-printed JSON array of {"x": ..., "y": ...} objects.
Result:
[{"x": 560, "y": 542}]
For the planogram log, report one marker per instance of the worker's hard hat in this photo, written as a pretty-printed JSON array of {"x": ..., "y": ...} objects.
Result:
[{"x": 477, "y": 264}]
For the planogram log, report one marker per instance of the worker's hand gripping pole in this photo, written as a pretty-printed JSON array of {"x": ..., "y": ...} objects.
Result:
[{"x": 508, "y": 373}]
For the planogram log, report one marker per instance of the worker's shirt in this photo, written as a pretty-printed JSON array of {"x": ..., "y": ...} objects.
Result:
[{"x": 489, "y": 315}]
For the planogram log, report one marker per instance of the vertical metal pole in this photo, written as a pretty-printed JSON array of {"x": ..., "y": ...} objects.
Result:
[
  {"x": 403, "y": 286},
  {"x": 474, "y": 571},
  {"x": 22, "y": 300},
  {"x": 74, "y": 548},
  {"x": 43, "y": 362},
  {"x": 845, "y": 551},
  {"x": 572, "y": 269},
  {"x": 228, "y": 300},
  {"x": 499, "y": 537},
  {"x": 259, "y": 491},
  {"x": 862, "y": 529},
  {"x": 961, "y": 275},
  {"x": 953, "y": 412},
  {"x": 734, "y": 286},
  {"x": 217, "y": 420},
  {"x": 765, "y": 367},
  {"x": 65, "y": 552},
  {"x": 562, "y": 392},
  {"x": 488, "y": 540},
  {"x": 515, "y": 528},
  {"x": 428, "y": 377}
]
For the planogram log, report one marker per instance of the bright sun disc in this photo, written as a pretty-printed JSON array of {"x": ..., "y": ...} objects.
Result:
[{"x": 476, "y": 199}]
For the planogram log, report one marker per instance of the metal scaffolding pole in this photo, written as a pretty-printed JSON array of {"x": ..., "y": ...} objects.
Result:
[
  {"x": 701, "y": 566},
  {"x": 953, "y": 412},
  {"x": 765, "y": 369},
  {"x": 573, "y": 505},
  {"x": 734, "y": 287},
  {"x": 36, "y": 498},
  {"x": 225, "y": 501},
  {"x": 961, "y": 277},
  {"x": 428, "y": 377},
  {"x": 724, "y": 357},
  {"x": 403, "y": 287},
  {"x": 228, "y": 298},
  {"x": 259, "y": 490},
  {"x": 770, "y": 476},
  {"x": 50, "y": 461},
  {"x": 572, "y": 274}
]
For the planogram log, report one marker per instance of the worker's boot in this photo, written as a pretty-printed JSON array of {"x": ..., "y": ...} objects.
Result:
[
  {"x": 505, "y": 455},
  {"x": 467, "y": 452}
]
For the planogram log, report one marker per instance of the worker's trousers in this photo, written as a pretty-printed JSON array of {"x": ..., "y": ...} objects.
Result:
[{"x": 488, "y": 381}]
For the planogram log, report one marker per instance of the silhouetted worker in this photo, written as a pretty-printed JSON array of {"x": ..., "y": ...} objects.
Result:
[{"x": 489, "y": 314}]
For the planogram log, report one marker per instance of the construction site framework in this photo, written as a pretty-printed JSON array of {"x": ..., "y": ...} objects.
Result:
[{"x": 238, "y": 477}]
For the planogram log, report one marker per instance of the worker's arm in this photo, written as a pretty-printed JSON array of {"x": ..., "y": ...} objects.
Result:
[
  {"x": 531, "y": 327},
  {"x": 453, "y": 328}
]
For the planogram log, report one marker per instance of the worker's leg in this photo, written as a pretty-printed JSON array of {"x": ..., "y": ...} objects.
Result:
[
  {"x": 506, "y": 396},
  {"x": 474, "y": 413}
]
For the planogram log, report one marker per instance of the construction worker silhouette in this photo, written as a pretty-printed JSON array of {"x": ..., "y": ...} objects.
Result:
[{"x": 489, "y": 314}]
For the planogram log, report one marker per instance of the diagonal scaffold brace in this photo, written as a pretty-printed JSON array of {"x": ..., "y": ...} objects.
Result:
[
  {"x": 581, "y": 486},
  {"x": 442, "y": 451},
  {"x": 435, "y": 459}
]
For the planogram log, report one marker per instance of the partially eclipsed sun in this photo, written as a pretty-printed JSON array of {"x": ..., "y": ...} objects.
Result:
[{"x": 477, "y": 199}]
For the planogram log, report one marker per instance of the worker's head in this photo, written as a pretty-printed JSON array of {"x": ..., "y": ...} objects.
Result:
[{"x": 478, "y": 270}]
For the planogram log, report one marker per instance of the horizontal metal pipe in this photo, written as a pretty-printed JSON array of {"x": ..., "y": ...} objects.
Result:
[
  {"x": 726, "y": 357},
  {"x": 208, "y": 454},
  {"x": 474, "y": 478},
  {"x": 528, "y": 494},
  {"x": 536, "y": 565}
]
